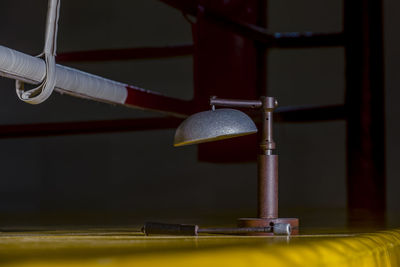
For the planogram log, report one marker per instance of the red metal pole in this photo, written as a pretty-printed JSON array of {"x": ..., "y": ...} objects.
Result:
[
  {"x": 87, "y": 127},
  {"x": 126, "y": 53},
  {"x": 366, "y": 119},
  {"x": 225, "y": 65},
  {"x": 255, "y": 30}
]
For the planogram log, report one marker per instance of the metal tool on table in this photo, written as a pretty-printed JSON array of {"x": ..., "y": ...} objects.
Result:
[
  {"x": 194, "y": 230},
  {"x": 218, "y": 124}
]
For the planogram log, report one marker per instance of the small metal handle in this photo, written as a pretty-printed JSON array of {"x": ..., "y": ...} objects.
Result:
[
  {"x": 282, "y": 229},
  {"x": 152, "y": 228}
]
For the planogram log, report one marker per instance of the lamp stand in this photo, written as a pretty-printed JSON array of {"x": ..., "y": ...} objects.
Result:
[{"x": 267, "y": 166}]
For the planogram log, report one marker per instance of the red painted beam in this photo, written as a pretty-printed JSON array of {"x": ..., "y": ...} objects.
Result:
[
  {"x": 126, "y": 53},
  {"x": 259, "y": 33},
  {"x": 87, "y": 127},
  {"x": 284, "y": 114},
  {"x": 305, "y": 40},
  {"x": 186, "y": 6},
  {"x": 225, "y": 65},
  {"x": 274, "y": 39},
  {"x": 310, "y": 113},
  {"x": 149, "y": 100}
]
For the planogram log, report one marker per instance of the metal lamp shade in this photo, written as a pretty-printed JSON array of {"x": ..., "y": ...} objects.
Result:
[{"x": 213, "y": 125}]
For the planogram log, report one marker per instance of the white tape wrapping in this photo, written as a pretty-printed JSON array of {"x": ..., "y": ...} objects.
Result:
[
  {"x": 44, "y": 90},
  {"x": 20, "y": 66}
]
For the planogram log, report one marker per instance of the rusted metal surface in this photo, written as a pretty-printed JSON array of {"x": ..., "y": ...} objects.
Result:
[
  {"x": 235, "y": 103},
  {"x": 277, "y": 229},
  {"x": 267, "y": 143},
  {"x": 126, "y": 53},
  {"x": 267, "y": 163},
  {"x": 151, "y": 228},
  {"x": 154, "y": 228},
  {"x": 366, "y": 182},
  {"x": 267, "y": 186},
  {"x": 264, "y": 222}
]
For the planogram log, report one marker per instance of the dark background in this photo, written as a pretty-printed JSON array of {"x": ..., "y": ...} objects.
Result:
[{"x": 128, "y": 178}]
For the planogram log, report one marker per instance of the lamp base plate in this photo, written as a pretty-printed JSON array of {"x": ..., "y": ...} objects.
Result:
[{"x": 264, "y": 222}]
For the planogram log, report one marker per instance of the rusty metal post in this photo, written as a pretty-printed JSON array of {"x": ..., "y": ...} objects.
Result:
[
  {"x": 267, "y": 175},
  {"x": 267, "y": 163}
]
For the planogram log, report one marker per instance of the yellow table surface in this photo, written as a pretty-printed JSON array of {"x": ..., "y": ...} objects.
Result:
[{"x": 128, "y": 248}]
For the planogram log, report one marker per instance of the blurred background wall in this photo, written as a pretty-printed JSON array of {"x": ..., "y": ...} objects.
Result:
[{"x": 128, "y": 178}]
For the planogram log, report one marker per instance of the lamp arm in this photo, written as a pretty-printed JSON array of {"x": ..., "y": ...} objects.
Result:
[
  {"x": 268, "y": 103},
  {"x": 235, "y": 103}
]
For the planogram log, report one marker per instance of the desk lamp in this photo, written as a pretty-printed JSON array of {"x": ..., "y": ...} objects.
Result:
[{"x": 218, "y": 124}]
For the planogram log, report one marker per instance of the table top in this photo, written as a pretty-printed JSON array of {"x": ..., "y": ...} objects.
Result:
[{"x": 127, "y": 247}]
